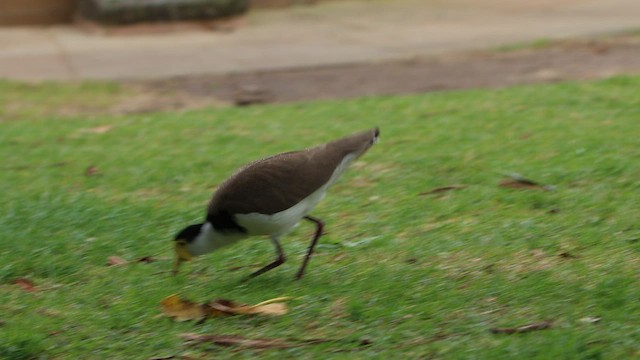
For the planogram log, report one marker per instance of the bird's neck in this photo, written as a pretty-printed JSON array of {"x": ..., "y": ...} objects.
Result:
[{"x": 211, "y": 239}]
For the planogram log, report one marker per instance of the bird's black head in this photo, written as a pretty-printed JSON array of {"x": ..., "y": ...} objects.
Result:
[
  {"x": 188, "y": 234},
  {"x": 182, "y": 240}
]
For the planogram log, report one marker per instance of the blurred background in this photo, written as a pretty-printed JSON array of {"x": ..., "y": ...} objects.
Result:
[{"x": 288, "y": 50}]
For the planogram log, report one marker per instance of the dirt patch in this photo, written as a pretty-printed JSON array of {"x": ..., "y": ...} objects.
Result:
[
  {"x": 552, "y": 62},
  {"x": 567, "y": 60}
]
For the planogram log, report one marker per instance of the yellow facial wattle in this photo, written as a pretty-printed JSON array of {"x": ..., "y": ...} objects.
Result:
[{"x": 182, "y": 254}]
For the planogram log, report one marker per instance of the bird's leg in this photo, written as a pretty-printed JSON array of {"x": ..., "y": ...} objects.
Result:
[
  {"x": 279, "y": 260},
  {"x": 316, "y": 236}
]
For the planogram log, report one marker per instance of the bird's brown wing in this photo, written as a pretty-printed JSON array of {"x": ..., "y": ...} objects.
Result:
[{"x": 279, "y": 182}]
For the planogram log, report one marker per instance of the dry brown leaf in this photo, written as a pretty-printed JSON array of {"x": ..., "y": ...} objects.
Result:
[
  {"x": 99, "y": 129},
  {"x": 147, "y": 259},
  {"x": 116, "y": 261},
  {"x": 443, "y": 189},
  {"x": 221, "y": 307},
  {"x": 170, "y": 357},
  {"x": 516, "y": 184},
  {"x": 269, "y": 307},
  {"x": 25, "y": 284},
  {"x": 567, "y": 255},
  {"x": 184, "y": 310},
  {"x": 92, "y": 171},
  {"x": 517, "y": 181},
  {"x": 522, "y": 329}
]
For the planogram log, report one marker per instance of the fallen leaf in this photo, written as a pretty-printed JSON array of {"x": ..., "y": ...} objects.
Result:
[
  {"x": 116, "y": 261},
  {"x": 25, "y": 284},
  {"x": 590, "y": 320},
  {"x": 98, "y": 129},
  {"x": 147, "y": 259},
  {"x": 221, "y": 307},
  {"x": 269, "y": 307},
  {"x": 184, "y": 310},
  {"x": 365, "y": 342},
  {"x": 443, "y": 189},
  {"x": 169, "y": 357},
  {"x": 517, "y": 181},
  {"x": 523, "y": 329},
  {"x": 258, "y": 343},
  {"x": 567, "y": 255},
  {"x": 92, "y": 171}
]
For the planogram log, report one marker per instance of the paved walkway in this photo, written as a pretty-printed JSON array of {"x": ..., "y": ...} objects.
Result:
[{"x": 337, "y": 32}]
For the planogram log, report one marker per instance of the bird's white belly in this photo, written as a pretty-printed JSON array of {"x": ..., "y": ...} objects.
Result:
[{"x": 280, "y": 223}]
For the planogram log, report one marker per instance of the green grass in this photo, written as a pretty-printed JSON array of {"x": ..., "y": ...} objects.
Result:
[
  {"x": 418, "y": 276},
  {"x": 47, "y": 99}
]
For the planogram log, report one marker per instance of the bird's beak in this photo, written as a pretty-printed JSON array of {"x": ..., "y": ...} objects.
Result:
[{"x": 182, "y": 255}]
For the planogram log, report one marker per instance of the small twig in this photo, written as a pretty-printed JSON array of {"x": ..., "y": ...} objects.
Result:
[
  {"x": 260, "y": 343},
  {"x": 266, "y": 302},
  {"x": 523, "y": 329},
  {"x": 517, "y": 181},
  {"x": 236, "y": 268},
  {"x": 443, "y": 189},
  {"x": 171, "y": 357}
]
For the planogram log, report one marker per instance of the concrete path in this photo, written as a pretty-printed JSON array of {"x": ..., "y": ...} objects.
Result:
[{"x": 332, "y": 33}]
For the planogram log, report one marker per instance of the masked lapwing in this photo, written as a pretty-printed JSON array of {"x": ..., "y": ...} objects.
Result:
[{"x": 270, "y": 196}]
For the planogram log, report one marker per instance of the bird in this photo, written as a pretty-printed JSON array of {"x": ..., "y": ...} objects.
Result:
[{"x": 269, "y": 197}]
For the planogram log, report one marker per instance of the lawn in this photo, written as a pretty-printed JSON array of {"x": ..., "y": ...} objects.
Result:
[{"x": 401, "y": 273}]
